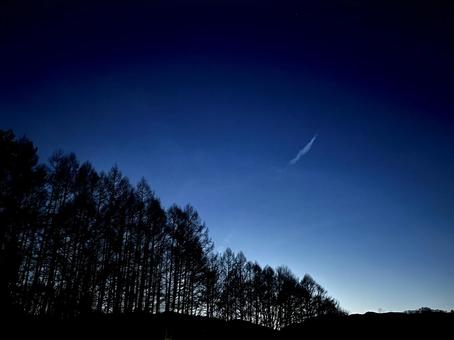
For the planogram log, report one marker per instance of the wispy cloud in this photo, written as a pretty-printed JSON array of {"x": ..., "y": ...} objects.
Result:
[{"x": 303, "y": 151}]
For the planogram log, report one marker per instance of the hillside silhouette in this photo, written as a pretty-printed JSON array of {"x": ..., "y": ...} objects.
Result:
[{"x": 175, "y": 326}]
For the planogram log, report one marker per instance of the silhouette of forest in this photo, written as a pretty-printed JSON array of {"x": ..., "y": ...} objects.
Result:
[
  {"x": 81, "y": 249},
  {"x": 77, "y": 242}
]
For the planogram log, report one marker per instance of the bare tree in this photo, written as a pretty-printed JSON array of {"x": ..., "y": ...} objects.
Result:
[{"x": 73, "y": 240}]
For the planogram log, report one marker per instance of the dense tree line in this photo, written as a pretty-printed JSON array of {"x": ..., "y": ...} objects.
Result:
[{"x": 74, "y": 241}]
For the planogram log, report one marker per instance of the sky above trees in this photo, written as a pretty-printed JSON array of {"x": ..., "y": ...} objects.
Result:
[{"x": 212, "y": 103}]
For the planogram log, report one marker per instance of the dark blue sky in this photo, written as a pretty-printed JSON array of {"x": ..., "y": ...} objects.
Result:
[{"x": 211, "y": 102}]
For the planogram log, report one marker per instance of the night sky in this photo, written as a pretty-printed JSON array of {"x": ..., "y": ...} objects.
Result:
[{"x": 313, "y": 135}]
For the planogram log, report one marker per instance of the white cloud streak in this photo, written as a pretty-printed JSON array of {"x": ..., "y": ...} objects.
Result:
[{"x": 303, "y": 151}]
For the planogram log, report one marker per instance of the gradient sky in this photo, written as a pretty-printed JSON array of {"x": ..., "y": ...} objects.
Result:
[{"x": 211, "y": 102}]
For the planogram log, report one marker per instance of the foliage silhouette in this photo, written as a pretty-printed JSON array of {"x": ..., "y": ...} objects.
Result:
[{"x": 75, "y": 242}]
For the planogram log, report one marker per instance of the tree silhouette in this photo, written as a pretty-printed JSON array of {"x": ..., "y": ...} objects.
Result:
[
  {"x": 21, "y": 198},
  {"x": 74, "y": 241}
]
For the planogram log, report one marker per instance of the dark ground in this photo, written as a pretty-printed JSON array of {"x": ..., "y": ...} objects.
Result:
[{"x": 429, "y": 325}]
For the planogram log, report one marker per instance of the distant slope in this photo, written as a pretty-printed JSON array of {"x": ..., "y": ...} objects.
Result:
[{"x": 432, "y": 325}]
